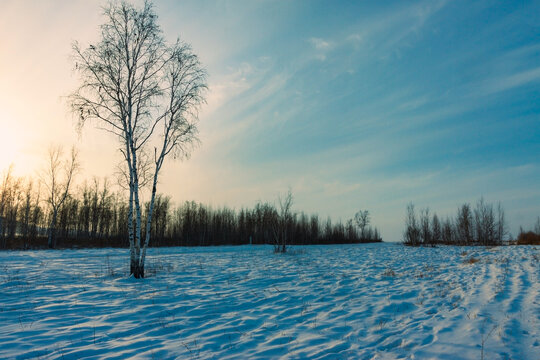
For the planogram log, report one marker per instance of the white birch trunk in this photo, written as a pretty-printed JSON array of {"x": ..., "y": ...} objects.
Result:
[
  {"x": 133, "y": 259},
  {"x": 150, "y": 212},
  {"x": 138, "y": 217}
]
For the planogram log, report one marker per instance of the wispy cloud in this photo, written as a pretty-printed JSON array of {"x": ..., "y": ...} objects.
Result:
[
  {"x": 320, "y": 44},
  {"x": 507, "y": 82}
]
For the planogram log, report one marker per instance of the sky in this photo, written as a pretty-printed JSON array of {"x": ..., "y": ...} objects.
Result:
[{"x": 350, "y": 104}]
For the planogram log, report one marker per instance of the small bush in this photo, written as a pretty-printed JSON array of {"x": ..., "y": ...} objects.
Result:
[
  {"x": 528, "y": 238},
  {"x": 389, "y": 273},
  {"x": 471, "y": 260}
]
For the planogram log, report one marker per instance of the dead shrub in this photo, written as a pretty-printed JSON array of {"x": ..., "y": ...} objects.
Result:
[
  {"x": 471, "y": 260},
  {"x": 389, "y": 273},
  {"x": 528, "y": 238}
]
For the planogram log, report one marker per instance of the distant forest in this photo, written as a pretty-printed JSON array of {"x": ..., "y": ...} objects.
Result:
[
  {"x": 484, "y": 225},
  {"x": 96, "y": 216}
]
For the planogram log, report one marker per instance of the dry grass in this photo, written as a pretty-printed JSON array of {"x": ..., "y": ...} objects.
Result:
[
  {"x": 389, "y": 273},
  {"x": 471, "y": 260},
  {"x": 155, "y": 267}
]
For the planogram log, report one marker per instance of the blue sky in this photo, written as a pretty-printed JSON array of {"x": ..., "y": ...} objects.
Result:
[{"x": 353, "y": 105}]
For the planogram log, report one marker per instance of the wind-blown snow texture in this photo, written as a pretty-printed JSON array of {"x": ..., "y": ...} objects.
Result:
[{"x": 381, "y": 301}]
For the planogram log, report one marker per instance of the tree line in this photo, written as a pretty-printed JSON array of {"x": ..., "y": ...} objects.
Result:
[
  {"x": 484, "y": 225},
  {"x": 95, "y": 215}
]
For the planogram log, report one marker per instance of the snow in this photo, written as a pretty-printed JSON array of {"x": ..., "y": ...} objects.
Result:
[{"x": 368, "y": 301}]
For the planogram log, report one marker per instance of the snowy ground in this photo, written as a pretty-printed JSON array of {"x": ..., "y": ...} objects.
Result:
[{"x": 380, "y": 301}]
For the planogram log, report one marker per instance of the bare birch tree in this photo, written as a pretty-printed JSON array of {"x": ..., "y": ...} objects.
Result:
[
  {"x": 146, "y": 93},
  {"x": 58, "y": 180}
]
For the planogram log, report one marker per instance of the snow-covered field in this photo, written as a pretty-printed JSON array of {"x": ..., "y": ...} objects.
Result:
[{"x": 380, "y": 301}]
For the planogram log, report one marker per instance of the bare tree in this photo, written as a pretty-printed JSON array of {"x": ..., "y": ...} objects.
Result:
[
  {"x": 448, "y": 233},
  {"x": 425, "y": 229},
  {"x": 484, "y": 223},
  {"x": 144, "y": 92},
  {"x": 58, "y": 179},
  {"x": 412, "y": 231},
  {"x": 36, "y": 215},
  {"x": 26, "y": 212},
  {"x": 362, "y": 221},
  {"x": 501, "y": 225},
  {"x": 284, "y": 220},
  {"x": 13, "y": 207},
  {"x": 464, "y": 225},
  {"x": 436, "y": 229},
  {"x": 4, "y": 200},
  {"x": 10, "y": 206},
  {"x": 350, "y": 229}
]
